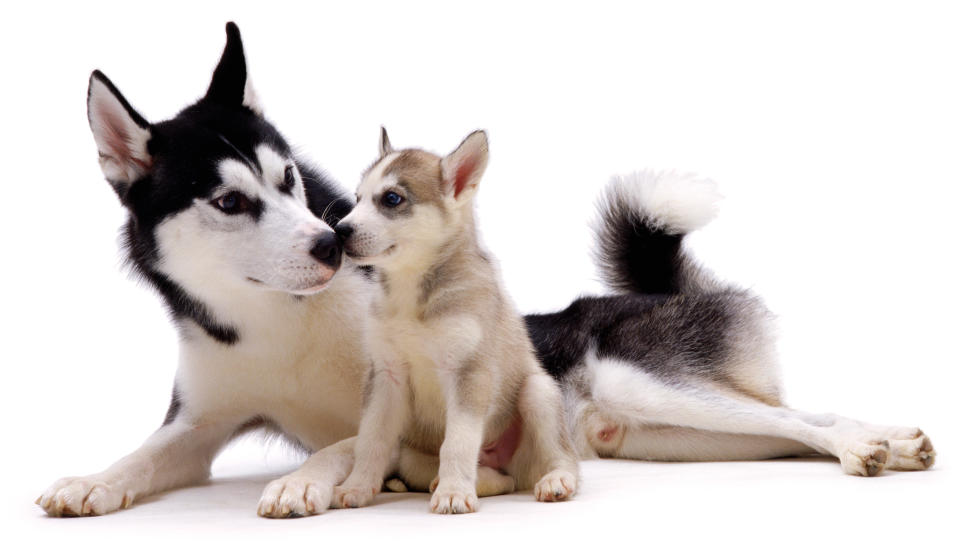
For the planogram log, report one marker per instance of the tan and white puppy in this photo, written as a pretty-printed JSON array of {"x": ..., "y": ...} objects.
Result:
[{"x": 453, "y": 370}]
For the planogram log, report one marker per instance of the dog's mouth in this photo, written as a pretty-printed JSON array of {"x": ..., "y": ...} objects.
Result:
[{"x": 315, "y": 287}]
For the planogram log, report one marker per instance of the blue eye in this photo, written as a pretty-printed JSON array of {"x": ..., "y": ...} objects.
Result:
[
  {"x": 233, "y": 202},
  {"x": 391, "y": 199}
]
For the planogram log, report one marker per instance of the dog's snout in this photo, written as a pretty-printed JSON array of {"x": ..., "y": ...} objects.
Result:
[
  {"x": 326, "y": 249},
  {"x": 344, "y": 230}
]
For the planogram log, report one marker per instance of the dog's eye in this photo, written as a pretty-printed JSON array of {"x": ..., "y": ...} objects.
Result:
[
  {"x": 233, "y": 202},
  {"x": 391, "y": 199},
  {"x": 288, "y": 178}
]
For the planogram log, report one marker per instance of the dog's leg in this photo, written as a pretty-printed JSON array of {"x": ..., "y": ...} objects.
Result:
[
  {"x": 641, "y": 400},
  {"x": 309, "y": 489},
  {"x": 178, "y": 454},
  {"x": 666, "y": 443},
  {"x": 456, "y": 491},
  {"x": 378, "y": 440},
  {"x": 419, "y": 473},
  {"x": 554, "y": 463}
]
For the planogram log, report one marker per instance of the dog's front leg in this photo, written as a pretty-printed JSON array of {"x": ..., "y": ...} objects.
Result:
[
  {"x": 378, "y": 441},
  {"x": 468, "y": 393},
  {"x": 309, "y": 489},
  {"x": 178, "y": 454}
]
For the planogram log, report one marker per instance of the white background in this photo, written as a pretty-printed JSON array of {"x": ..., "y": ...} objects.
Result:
[{"x": 832, "y": 128}]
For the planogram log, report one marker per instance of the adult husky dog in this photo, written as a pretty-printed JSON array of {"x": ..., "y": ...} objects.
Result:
[{"x": 235, "y": 234}]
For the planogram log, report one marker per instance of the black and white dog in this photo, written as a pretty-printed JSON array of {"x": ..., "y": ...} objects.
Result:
[{"x": 235, "y": 234}]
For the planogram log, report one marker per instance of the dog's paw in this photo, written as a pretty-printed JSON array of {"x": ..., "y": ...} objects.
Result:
[
  {"x": 452, "y": 499},
  {"x": 352, "y": 496},
  {"x": 914, "y": 453},
  {"x": 294, "y": 496},
  {"x": 83, "y": 496},
  {"x": 865, "y": 458},
  {"x": 555, "y": 486}
]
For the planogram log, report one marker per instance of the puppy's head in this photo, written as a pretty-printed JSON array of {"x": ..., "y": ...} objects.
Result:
[{"x": 410, "y": 201}]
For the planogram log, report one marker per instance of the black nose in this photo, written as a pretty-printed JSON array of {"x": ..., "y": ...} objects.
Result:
[
  {"x": 326, "y": 249},
  {"x": 344, "y": 231}
]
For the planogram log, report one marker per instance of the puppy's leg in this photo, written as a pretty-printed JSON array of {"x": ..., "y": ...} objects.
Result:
[
  {"x": 309, "y": 489},
  {"x": 178, "y": 454},
  {"x": 553, "y": 459},
  {"x": 378, "y": 440},
  {"x": 468, "y": 393}
]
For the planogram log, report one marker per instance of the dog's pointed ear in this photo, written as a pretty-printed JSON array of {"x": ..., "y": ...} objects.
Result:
[
  {"x": 463, "y": 168},
  {"x": 121, "y": 135},
  {"x": 231, "y": 85},
  {"x": 385, "y": 146}
]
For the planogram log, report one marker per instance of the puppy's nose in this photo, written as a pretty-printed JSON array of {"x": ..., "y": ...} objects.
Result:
[
  {"x": 326, "y": 249},
  {"x": 344, "y": 230}
]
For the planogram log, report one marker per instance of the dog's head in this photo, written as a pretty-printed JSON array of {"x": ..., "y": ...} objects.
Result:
[
  {"x": 410, "y": 201},
  {"x": 215, "y": 196}
]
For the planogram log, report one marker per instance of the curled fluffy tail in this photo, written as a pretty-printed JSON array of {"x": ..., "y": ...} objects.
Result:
[{"x": 643, "y": 219}]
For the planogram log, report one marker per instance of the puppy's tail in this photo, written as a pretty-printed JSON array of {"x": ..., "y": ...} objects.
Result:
[{"x": 643, "y": 218}]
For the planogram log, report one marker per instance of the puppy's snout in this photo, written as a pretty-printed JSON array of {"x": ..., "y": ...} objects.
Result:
[
  {"x": 344, "y": 231},
  {"x": 326, "y": 250}
]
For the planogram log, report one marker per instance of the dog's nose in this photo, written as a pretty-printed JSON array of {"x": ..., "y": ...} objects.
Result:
[
  {"x": 344, "y": 231},
  {"x": 326, "y": 249}
]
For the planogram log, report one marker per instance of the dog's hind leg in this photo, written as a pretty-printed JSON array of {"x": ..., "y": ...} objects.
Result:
[
  {"x": 629, "y": 397},
  {"x": 178, "y": 454},
  {"x": 545, "y": 454}
]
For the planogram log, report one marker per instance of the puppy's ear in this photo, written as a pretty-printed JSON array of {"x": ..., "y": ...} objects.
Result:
[
  {"x": 463, "y": 168},
  {"x": 231, "y": 85},
  {"x": 121, "y": 135},
  {"x": 385, "y": 146}
]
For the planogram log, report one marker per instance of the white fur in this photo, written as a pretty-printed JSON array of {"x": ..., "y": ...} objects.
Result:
[{"x": 675, "y": 202}]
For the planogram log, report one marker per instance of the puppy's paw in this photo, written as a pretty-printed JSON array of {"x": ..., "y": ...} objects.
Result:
[
  {"x": 346, "y": 496},
  {"x": 911, "y": 454},
  {"x": 453, "y": 499},
  {"x": 294, "y": 496},
  {"x": 865, "y": 459},
  {"x": 83, "y": 496},
  {"x": 555, "y": 486}
]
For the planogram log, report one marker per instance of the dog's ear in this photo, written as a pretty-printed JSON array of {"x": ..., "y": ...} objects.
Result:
[
  {"x": 463, "y": 168},
  {"x": 385, "y": 146},
  {"x": 231, "y": 85},
  {"x": 121, "y": 135}
]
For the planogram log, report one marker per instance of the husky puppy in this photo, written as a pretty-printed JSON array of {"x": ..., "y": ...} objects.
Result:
[{"x": 453, "y": 369}]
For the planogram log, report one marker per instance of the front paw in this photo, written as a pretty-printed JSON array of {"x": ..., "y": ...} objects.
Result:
[
  {"x": 294, "y": 496},
  {"x": 83, "y": 496},
  {"x": 346, "y": 496},
  {"x": 453, "y": 499}
]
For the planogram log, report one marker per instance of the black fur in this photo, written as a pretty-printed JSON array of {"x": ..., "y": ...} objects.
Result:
[
  {"x": 635, "y": 256},
  {"x": 185, "y": 152},
  {"x": 672, "y": 319},
  {"x": 174, "y": 409},
  {"x": 670, "y": 336}
]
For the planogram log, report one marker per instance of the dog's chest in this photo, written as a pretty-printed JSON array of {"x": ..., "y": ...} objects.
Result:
[{"x": 410, "y": 347}]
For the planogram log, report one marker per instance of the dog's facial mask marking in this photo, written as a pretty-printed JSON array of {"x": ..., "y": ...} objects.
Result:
[
  {"x": 406, "y": 201},
  {"x": 214, "y": 191}
]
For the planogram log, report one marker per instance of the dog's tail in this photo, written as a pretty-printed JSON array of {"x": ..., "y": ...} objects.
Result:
[{"x": 643, "y": 218}]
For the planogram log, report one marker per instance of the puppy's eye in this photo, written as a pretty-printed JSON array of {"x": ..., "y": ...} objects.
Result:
[
  {"x": 233, "y": 202},
  {"x": 391, "y": 199},
  {"x": 288, "y": 178}
]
